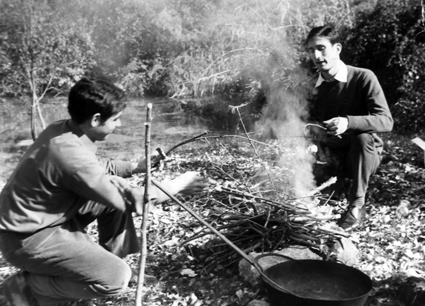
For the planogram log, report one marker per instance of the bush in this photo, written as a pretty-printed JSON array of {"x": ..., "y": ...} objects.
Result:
[{"x": 389, "y": 40}]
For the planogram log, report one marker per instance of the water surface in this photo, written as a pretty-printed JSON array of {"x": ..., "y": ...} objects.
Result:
[{"x": 169, "y": 126}]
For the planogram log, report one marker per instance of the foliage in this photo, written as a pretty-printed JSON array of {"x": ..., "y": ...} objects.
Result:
[
  {"x": 39, "y": 43},
  {"x": 239, "y": 50},
  {"x": 41, "y": 48},
  {"x": 389, "y": 40},
  {"x": 180, "y": 48}
]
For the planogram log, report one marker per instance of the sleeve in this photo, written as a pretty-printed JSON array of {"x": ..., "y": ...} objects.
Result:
[
  {"x": 85, "y": 176},
  {"x": 378, "y": 118},
  {"x": 117, "y": 167}
]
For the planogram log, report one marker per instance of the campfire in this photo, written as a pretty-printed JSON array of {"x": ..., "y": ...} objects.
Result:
[{"x": 253, "y": 208}]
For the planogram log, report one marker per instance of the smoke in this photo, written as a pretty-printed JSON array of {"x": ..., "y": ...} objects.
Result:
[{"x": 284, "y": 118}]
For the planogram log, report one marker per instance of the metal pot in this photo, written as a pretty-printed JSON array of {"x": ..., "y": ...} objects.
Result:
[{"x": 315, "y": 282}]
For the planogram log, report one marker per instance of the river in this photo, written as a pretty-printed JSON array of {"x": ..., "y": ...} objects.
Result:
[{"x": 169, "y": 126}]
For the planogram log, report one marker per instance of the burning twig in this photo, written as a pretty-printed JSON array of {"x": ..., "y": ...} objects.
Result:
[{"x": 326, "y": 184}]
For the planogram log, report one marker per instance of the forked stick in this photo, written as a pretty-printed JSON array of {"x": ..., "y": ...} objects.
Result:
[{"x": 145, "y": 211}]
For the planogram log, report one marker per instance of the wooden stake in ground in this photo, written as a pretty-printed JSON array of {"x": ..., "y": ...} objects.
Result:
[{"x": 145, "y": 212}]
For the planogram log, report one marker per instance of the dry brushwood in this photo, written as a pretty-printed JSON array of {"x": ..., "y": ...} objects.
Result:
[
  {"x": 255, "y": 223},
  {"x": 253, "y": 218}
]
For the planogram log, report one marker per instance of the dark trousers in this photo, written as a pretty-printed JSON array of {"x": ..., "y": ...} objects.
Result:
[
  {"x": 63, "y": 263},
  {"x": 354, "y": 156}
]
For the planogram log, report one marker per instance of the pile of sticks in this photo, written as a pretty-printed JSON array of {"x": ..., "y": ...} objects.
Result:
[{"x": 254, "y": 223}]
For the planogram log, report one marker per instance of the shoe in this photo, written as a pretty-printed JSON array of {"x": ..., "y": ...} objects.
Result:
[
  {"x": 352, "y": 219},
  {"x": 16, "y": 291}
]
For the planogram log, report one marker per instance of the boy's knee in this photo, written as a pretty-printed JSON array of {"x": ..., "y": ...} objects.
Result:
[
  {"x": 116, "y": 281},
  {"x": 122, "y": 279}
]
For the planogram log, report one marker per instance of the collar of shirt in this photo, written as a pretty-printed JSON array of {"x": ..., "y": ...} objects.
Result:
[
  {"x": 83, "y": 137},
  {"x": 340, "y": 76}
]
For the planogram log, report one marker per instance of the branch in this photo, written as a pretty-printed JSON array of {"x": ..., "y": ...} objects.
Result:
[
  {"x": 164, "y": 155},
  {"x": 255, "y": 151}
]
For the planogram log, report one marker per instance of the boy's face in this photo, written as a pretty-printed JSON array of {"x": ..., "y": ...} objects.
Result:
[
  {"x": 323, "y": 54},
  {"x": 101, "y": 130}
]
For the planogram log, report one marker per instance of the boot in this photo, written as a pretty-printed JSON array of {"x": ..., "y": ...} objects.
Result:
[{"x": 353, "y": 218}]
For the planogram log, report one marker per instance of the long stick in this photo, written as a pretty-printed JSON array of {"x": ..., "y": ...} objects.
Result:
[
  {"x": 145, "y": 212},
  {"x": 187, "y": 141}
]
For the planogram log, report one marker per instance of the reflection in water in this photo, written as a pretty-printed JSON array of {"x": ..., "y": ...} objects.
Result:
[{"x": 169, "y": 126}]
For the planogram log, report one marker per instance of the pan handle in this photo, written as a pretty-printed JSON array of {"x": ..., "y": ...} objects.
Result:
[
  {"x": 271, "y": 282},
  {"x": 256, "y": 259}
]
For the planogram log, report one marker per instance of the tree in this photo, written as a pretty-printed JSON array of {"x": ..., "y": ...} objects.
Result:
[{"x": 42, "y": 50}]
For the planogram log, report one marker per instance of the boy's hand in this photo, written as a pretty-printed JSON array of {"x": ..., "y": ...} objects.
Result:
[
  {"x": 119, "y": 182},
  {"x": 133, "y": 196},
  {"x": 189, "y": 183},
  {"x": 336, "y": 126},
  {"x": 140, "y": 166}
]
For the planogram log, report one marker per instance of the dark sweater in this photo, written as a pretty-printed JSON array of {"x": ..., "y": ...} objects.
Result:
[{"x": 360, "y": 99}]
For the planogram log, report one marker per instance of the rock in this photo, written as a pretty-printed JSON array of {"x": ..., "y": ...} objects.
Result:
[
  {"x": 346, "y": 252},
  {"x": 253, "y": 277},
  {"x": 258, "y": 303},
  {"x": 403, "y": 209},
  {"x": 412, "y": 292},
  {"x": 248, "y": 272}
]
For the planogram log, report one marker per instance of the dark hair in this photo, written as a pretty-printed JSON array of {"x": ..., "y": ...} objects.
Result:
[
  {"x": 91, "y": 96},
  {"x": 326, "y": 31}
]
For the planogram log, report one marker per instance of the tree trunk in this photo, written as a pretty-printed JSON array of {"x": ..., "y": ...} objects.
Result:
[
  {"x": 40, "y": 115},
  {"x": 33, "y": 116}
]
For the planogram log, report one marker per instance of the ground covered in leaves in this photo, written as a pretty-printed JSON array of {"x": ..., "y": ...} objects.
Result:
[{"x": 193, "y": 267}]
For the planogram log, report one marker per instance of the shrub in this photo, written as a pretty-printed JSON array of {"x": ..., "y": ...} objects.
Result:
[{"x": 389, "y": 40}]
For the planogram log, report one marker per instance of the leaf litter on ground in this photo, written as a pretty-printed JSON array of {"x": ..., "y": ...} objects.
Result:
[{"x": 183, "y": 256}]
